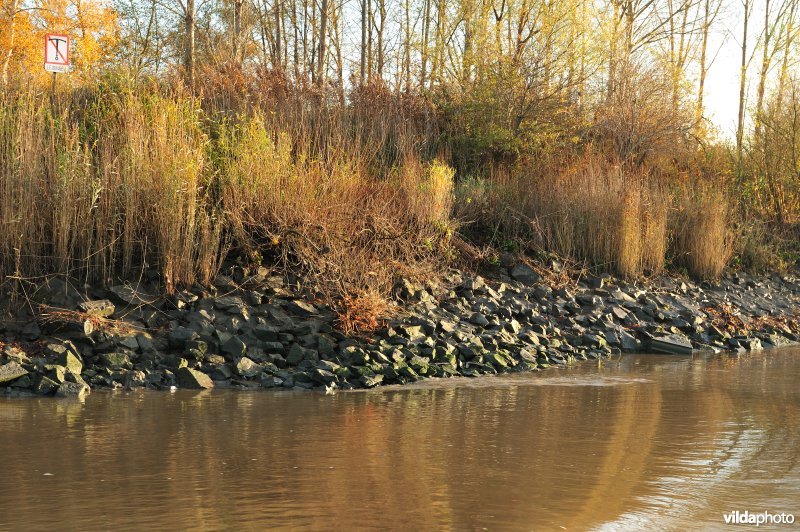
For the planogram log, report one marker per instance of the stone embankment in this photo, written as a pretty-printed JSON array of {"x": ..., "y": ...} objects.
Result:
[{"x": 249, "y": 330}]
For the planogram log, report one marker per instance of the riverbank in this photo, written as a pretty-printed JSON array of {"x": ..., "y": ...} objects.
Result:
[{"x": 250, "y": 329}]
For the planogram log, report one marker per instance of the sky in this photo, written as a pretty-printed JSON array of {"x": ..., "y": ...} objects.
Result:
[
  {"x": 721, "y": 98},
  {"x": 722, "y": 81}
]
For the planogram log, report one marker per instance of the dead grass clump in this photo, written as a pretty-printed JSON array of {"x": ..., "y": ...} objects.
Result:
[
  {"x": 363, "y": 312},
  {"x": 586, "y": 210},
  {"x": 428, "y": 190},
  {"x": 60, "y": 317},
  {"x": 702, "y": 236}
]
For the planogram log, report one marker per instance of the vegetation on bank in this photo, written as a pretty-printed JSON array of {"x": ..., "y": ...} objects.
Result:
[{"x": 527, "y": 131}]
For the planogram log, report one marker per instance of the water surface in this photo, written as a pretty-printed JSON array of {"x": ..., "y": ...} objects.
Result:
[{"x": 649, "y": 441}]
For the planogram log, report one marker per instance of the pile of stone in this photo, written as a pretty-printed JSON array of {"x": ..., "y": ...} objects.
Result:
[{"x": 250, "y": 330}]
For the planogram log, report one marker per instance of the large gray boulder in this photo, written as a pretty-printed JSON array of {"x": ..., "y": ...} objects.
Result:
[
  {"x": 72, "y": 389},
  {"x": 193, "y": 379},
  {"x": 524, "y": 274},
  {"x": 11, "y": 371},
  {"x": 673, "y": 344}
]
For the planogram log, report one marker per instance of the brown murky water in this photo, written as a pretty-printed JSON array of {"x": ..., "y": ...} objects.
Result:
[{"x": 644, "y": 442}]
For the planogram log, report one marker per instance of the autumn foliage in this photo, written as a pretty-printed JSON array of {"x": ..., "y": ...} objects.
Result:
[{"x": 284, "y": 133}]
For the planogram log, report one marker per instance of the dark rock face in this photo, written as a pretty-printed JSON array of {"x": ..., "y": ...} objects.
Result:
[
  {"x": 524, "y": 274},
  {"x": 675, "y": 344},
  {"x": 250, "y": 330}
]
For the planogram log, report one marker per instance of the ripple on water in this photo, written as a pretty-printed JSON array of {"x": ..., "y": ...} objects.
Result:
[{"x": 637, "y": 443}]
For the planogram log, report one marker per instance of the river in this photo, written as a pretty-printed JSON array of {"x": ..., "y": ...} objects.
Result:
[{"x": 639, "y": 442}]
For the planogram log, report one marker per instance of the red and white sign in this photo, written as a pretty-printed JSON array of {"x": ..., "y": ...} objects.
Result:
[{"x": 56, "y": 52}]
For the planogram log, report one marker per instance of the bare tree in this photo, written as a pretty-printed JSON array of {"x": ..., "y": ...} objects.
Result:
[
  {"x": 10, "y": 11},
  {"x": 790, "y": 34},
  {"x": 319, "y": 77},
  {"x": 711, "y": 9},
  {"x": 363, "y": 55},
  {"x": 276, "y": 9},
  {"x": 189, "y": 43},
  {"x": 748, "y": 6}
]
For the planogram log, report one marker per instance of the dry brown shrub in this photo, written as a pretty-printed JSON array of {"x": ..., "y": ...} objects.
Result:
[
  {"x": 363, "y": 312},
  {"x": 332, "y": 219}
]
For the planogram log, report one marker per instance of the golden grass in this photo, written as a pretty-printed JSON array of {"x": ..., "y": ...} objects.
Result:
[
  {"x": 108, "y": 185},
  {"x": 703, "y": 239},
  {"x": 586, "y": 210}
]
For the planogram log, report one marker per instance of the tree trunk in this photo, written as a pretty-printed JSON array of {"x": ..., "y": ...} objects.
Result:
[
  {"x": 314, "y": 36},
  {"x": 238, "y": 6},
  {"x": 380, "y": 29},
  {"x": 278, "y": 42},
  {"x": 426, "y": 25},
  {"x": 787, "y": 47},
  {"x": 370, "y": 23},
  {"x": 323, "y": 33},
  {"x": 407, "y": 48},
  {"x": 189, "y": 45},
  {"x": 338, "y": 31},
  {"x": 742, "y": 86},
  {"x": 13, "y": 7},
  {"x": 466, "y": 59},
  {"x": 363, "y": 58},
  {"x": 439, "y": 43},
  {"x": 296, "y": 41},
  {"x": 762, "y": 77},
  {"x": 703, "y": 67}
]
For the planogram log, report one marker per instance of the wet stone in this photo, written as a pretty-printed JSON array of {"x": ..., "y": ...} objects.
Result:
[
  {"x": 72, "y": 389},
  {"x": 45, "y": 386},
  {"x": 247, "y": 368},
  {"x": 193, "y": 379},
  {"x": 370, "y": 381},
  {"x": 234, "y": 347},
  {"x": 297, "y": 354},
  {"x": 174, "y": 362},
  {"x": 70, "y": 362},
  {"x": 220, "y": 372}
]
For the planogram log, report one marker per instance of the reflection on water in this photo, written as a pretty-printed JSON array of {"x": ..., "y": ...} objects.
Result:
[{"x": 645, "y": 441}]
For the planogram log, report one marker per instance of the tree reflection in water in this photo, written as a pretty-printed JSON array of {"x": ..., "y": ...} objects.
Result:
[{"x": 646, "y": 440}]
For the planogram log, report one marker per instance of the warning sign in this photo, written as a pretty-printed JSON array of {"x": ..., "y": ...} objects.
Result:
[{"x": 56, "y": 52}]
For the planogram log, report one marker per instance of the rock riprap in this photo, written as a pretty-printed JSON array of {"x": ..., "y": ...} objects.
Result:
[{"x": 250, "y": 330}]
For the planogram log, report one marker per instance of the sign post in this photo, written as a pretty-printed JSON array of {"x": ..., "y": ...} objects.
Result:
[{"x": 56, "y": 54}]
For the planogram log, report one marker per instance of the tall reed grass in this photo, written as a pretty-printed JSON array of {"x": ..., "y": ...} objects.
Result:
[
  {"x": 703, "y": 237},
  {"x": 103, "y": 185},
  {"x": 618, "y": 218}
]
